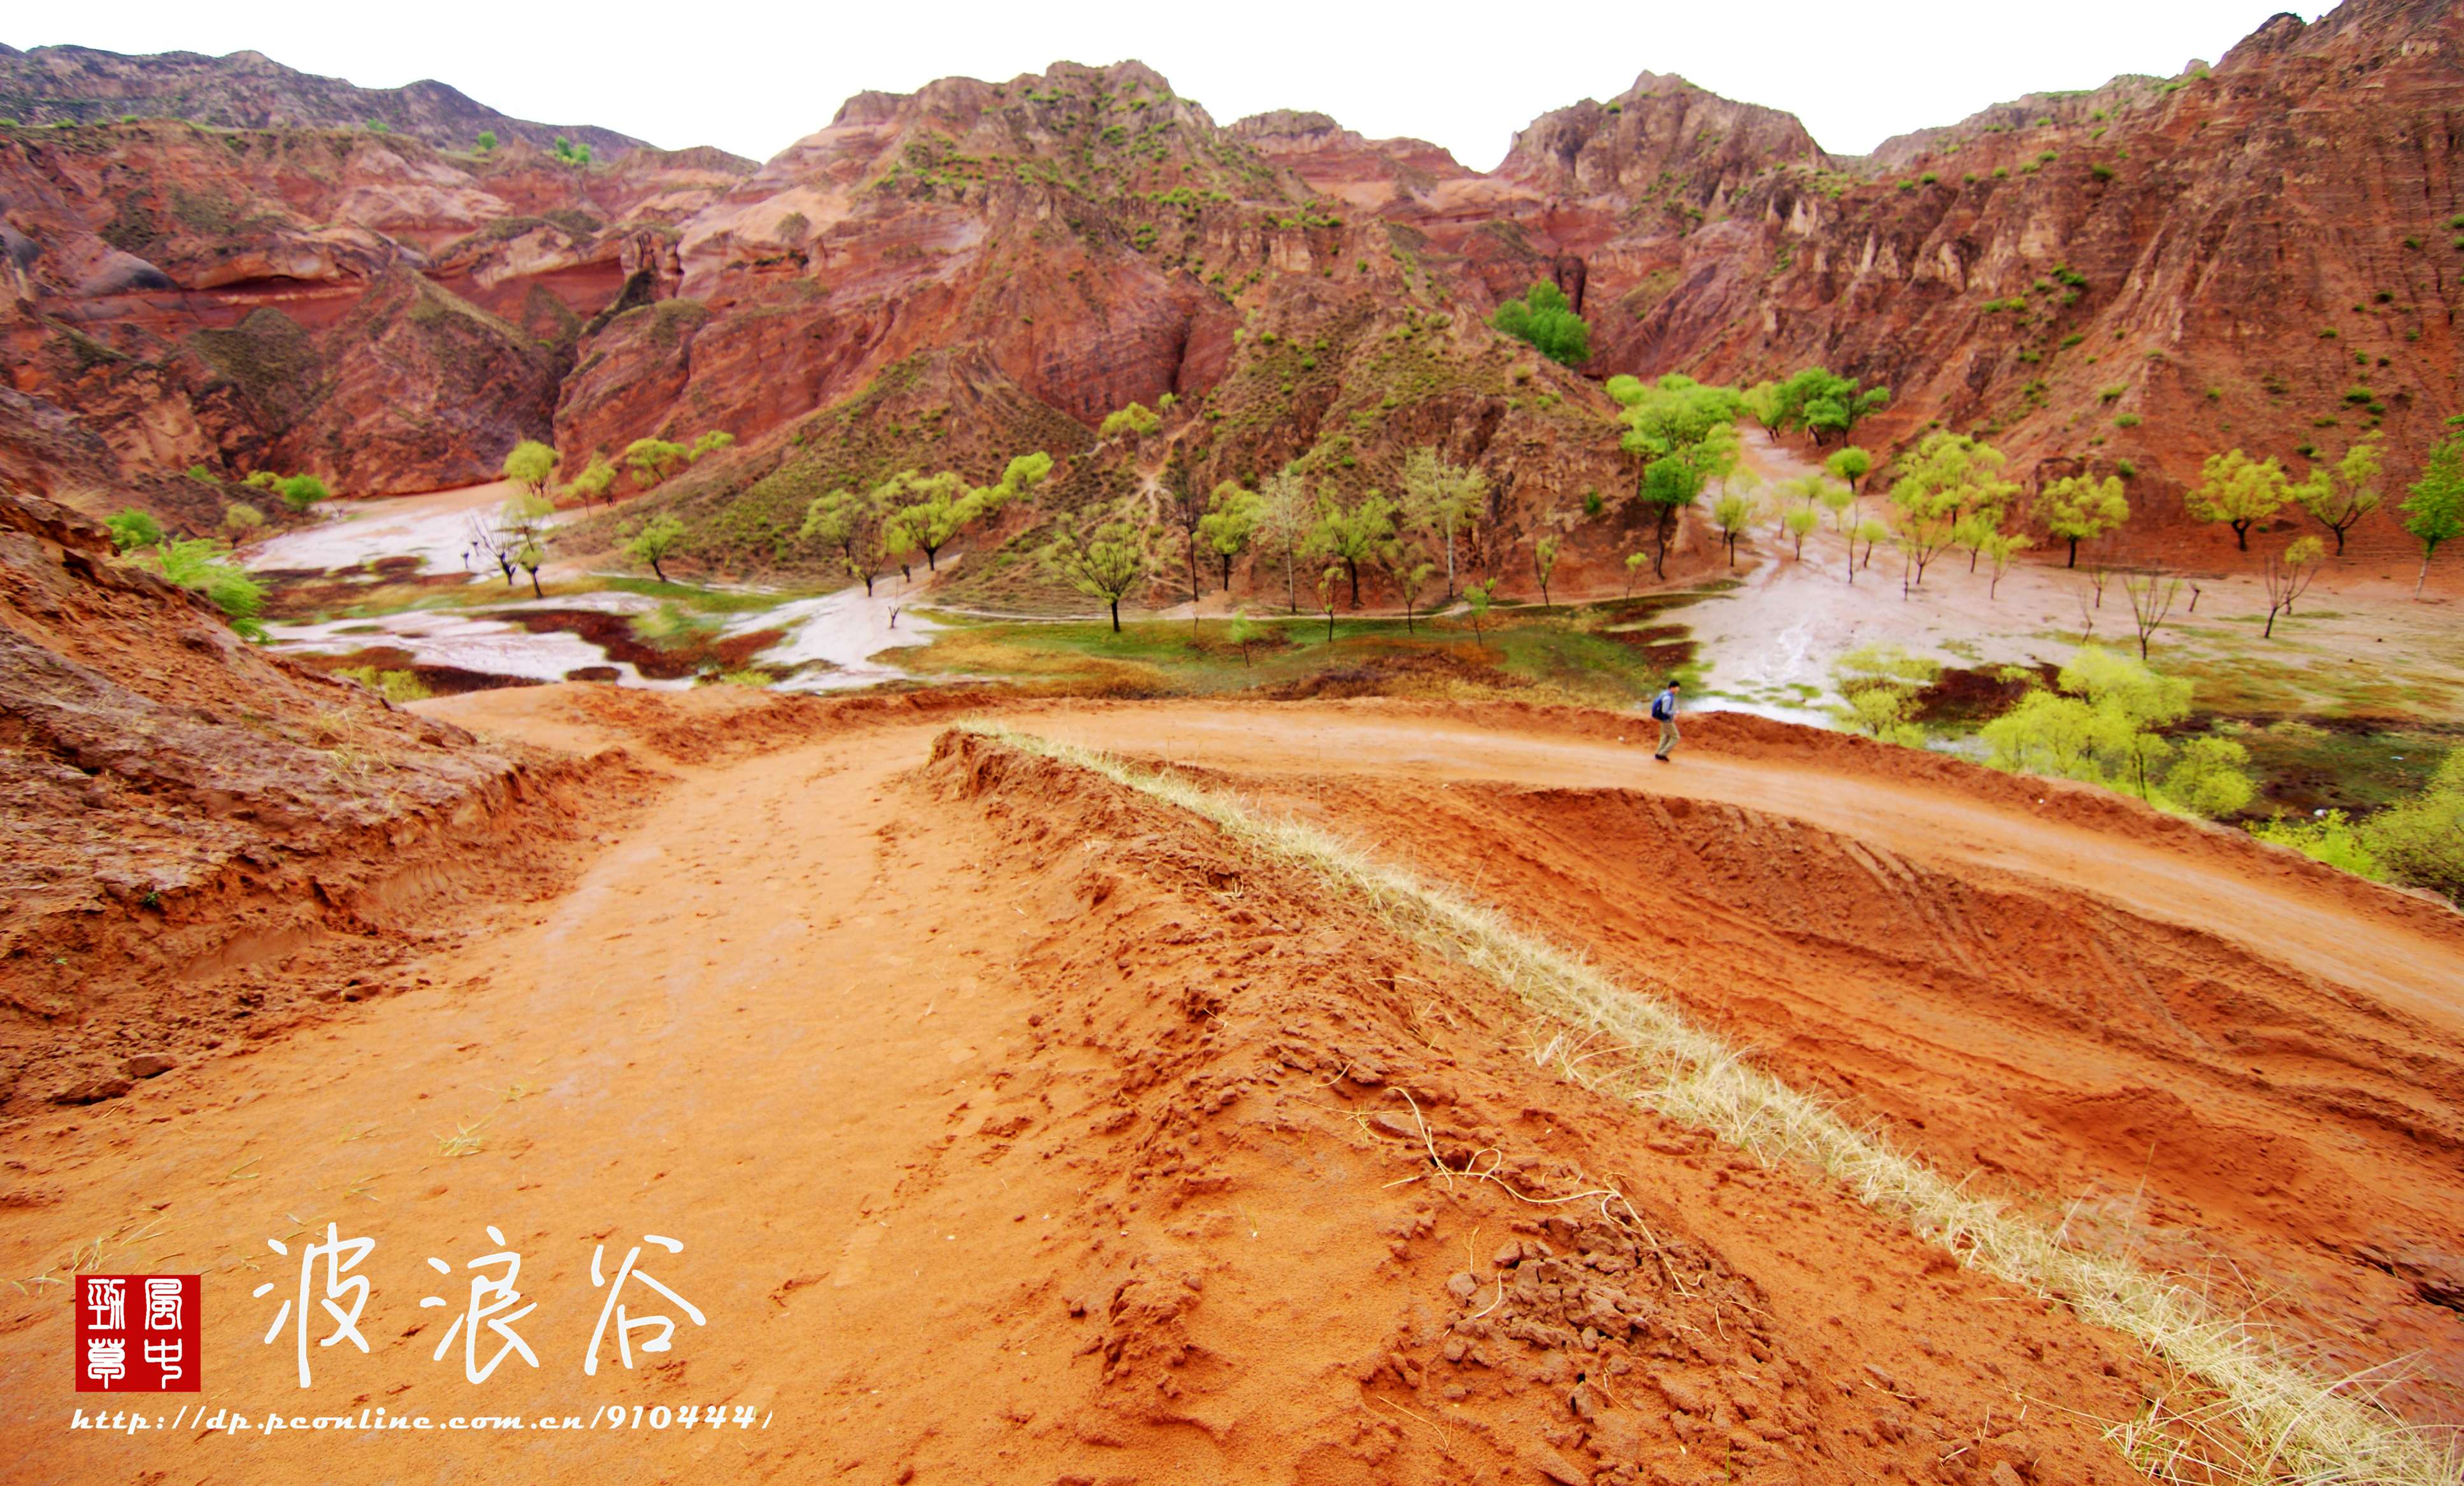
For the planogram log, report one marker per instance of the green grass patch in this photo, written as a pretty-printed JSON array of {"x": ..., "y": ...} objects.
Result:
[
  {"x": 2303, "y": 766},
  {"x": 706, "y": 600},
  {"x": 1613, "y": 655}
]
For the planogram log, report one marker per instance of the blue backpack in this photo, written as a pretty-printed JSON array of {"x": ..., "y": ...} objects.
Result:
[{"x": 1660, "y": 711}]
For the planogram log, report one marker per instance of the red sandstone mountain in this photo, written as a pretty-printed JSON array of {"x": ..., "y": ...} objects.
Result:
[
  {"x": 2254, "y": 254},
  {"x": 249, "y": 90},
  {"x": 358, "y": 305}
]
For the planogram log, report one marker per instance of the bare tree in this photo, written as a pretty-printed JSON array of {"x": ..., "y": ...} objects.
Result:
[
  {"x": 2151, "y": 601},
  {"x": 486, "y": 539}
]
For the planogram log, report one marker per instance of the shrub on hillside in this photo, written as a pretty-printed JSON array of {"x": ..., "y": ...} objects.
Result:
[
  {"x": 1544, "y": 320},
  {"x": 132, "y": 529}
]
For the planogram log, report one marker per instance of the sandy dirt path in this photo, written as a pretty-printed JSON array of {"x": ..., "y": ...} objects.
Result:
[
  {"x": 786, "y": 1019},
  {"x": 2416, "y": 972},
  {"x": 771, "y": 992}
]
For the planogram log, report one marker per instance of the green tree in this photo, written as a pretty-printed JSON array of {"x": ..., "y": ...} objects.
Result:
[
  {"x": 1685, "y": 433},
  {"x": 1107, "y": 563},
  {"x": 131, "y": 528},
  {"x": 487, "y": 141},
  {"x": 1870, "y": 532},
  {"x": 940, "y": 506},
  {"x": 1823, "y": 403},
  {"x": 2434, "y": 513},
  {"x": 1408, "y": 568},
  {"x": 1477, "y": 599},
  {"x": 1230, "y": 525},
  {"x": 2239, "y": 491},
  {"x": 1761, "y": 402},
  {"x": 1544, "y": 320},
  {"x": 1947, "y": 477},
  {"x": 592, "y": 483},
  {"x": 1878, "y": 687},
  {"x": 1799, "y": 522},
  {"x": 1351, "y": 535},
  {"x": 1544, "y": 563},
  {"x": 2046, "y": 732},
  {"x": 2000, "y": 549},
  {"x": 2340, "y": 494},
  {"x": 2421, "y": 840},
  {"x": 531, "y": 465},
  {"x": 1285, "y": 517},
  {"x": 852, "y": 524},
  {"x": 2329, "y": 837},
  {"x": 1850, "y": 464},
  {"x": 1183, "y": 510},
  {"x": 529, "y": 554},
  {"x": 2210, "y": 776},
  {"x": 1842, "y": 502},
  {"x": 710, "y": 442},
  {"x": 2287, "y": 574},
  {"x": 1023, "y": 475},
  {"x": 301, "y": 491},
  {"x": 2081, "y": 508},
  {"x": 1244, "y": 632},
  {"x": 1677, "y": 434},
  {"x": 1019, "y": 480},
  {"x": 240, "y": 518},
  {"x": 2105, "y": 725},
  {"x": 1973, "y": 529},
  {"x": 1441, "y": 498},
  {"x": 653, "y": 460},
  {"x": 654, "y": 540},
  {"x": 1671, "y": 415},
  {"x": 1138, "y": 420},
  {"x": 1733, "y": 513}
]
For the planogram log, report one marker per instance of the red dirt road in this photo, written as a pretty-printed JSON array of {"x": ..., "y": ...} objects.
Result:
[
  {"x": 2416, "y": 965},
  {"x": 1015, "y": 1129}
]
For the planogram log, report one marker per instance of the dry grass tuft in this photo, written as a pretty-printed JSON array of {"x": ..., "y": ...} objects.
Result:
[{"x": 2291, "y": 1425}]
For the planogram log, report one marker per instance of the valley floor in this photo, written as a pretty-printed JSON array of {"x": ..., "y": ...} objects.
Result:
[{"x": 1016, "y": 1126}]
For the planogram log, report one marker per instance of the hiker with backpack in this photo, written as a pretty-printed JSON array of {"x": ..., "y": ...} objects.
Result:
[{"x": 1663, "y": 712}]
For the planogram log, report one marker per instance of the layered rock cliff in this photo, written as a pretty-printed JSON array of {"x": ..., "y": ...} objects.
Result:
[
  {"x": 2257, "y": 253},
  {"x": 359, "y": 306}
]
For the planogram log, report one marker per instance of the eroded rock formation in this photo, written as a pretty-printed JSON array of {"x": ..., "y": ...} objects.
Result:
[{"x": 2256, "y": 254}]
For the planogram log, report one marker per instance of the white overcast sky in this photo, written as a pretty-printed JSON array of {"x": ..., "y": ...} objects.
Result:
[{"x": 755, "y": 76}]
